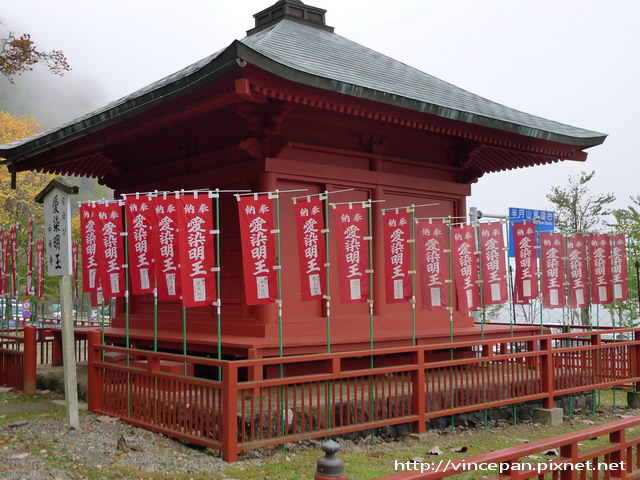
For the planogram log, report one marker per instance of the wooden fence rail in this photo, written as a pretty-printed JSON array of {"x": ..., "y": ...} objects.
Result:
[
  {"x": 18, "y": 360},
  {"x": 244, "y": 404},
  {"x": 578, "y": 457}
]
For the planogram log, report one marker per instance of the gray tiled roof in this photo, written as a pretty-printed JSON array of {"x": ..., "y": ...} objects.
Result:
[
  {"x": 321, "y": 59},
  {"x": 330, "y": 56}
]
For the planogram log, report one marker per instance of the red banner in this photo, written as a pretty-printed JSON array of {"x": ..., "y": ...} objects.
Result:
[
  {"x": 601, "y": 269},
  {"x": 96, "y": 298},
  {"x": 89, "y": 237},
  {"x": 494, "y": 265},
  {"x": 524, "y": 242},
  {"x": 310, "y": 224},
  {"x": 578, "y": 273},
  {"x": 517, "y": 297},
  {"x": 167, "y": 247},
  {"x": 14, "y": 260},
  {"x": 140, "y": 217},
  {"x": 259, "y": 257},
  {"x": 40, "y": 269},
  {"x": 5, "y": 276},
  {"x": 465, "y": 267},
  {"x": 110, "y": 249},
  {"x": 553, "y": 266},
  {"x": 352, "y": 247},
  {"x": 3, "y": 262},
  {"x": 28, "y": 289},
  {"x": 433, "y": 242},
  {"x": 397, "y": 254},
  {"x": 197, "y": 252},
  {"x": 620, "y": 268}
]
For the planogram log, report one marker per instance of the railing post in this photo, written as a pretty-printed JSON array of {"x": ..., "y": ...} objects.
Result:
[
  {"x": 94, "y": 373},
  {"x": 30, "y": 360},
  {"x": 596, "y": 339},
  {"x": 56, "y": 346},
  {"x": 531, "y": 362},
  {"x": 619, "y": 455},
  {"x": 418, "y": 392},
  {"x": 570, "y": 453},
  {"x": 229, "y": 412},
  {"x": 546, "y": 372}
]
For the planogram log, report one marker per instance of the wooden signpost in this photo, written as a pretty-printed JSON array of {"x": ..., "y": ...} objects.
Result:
[{"x": 56, "y": 198}]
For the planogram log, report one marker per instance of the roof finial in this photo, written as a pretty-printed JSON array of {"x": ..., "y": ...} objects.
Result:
[{"x": 293, "y": 10}]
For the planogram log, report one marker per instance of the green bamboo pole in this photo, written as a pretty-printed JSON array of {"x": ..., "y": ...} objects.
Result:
[
  {"x": 412, "y": 210},
  {"x": 512, "y": 308},
  {"x": 478, "y": 246},
  {"x": 566, "y": 307},
  {"x": 613, "y": 318},
  {"x": 218, "y": 304},
  {"x": 184, "y": 339},
  {"x": 535, "y": 259},
  {"x": 327, "y": 275},
  {"x": 155, "y": 314},
  {"x": 279, "y": 305},
  {"x": 591, "y": 310},
  {"x": 279, "y": 278},
  {"x": 102, "y": 325},
  {"x": 450, "y": 307},
  {"x": 327, "y": 294},
  {"x": 126, "y": 304},
  {"x": 510, "y": 299},
  {"x": 372, "y": 415}
]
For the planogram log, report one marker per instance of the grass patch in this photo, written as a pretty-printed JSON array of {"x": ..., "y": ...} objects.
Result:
[{"x": 369, "y": 461}]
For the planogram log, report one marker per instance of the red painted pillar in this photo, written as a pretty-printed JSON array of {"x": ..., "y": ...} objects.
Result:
[
  {"x": 29, "y": 360},
  {"x": 94, "y": 373},
  {"x": 57, "y": 347}
]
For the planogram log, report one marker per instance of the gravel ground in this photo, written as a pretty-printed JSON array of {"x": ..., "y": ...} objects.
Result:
[{"x": 35, "y": 444}]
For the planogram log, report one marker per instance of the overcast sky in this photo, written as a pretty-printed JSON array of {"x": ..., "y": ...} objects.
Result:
[{"x": 573, "y": 61}]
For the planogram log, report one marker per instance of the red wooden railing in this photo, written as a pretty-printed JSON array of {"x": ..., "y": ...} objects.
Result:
[
  {"x": 18, "y": 360},
  {"x": 614, "y": 457},
  {"x": 349, "y": 391}
]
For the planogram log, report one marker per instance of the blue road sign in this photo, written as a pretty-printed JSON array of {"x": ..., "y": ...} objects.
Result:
[{"x": 519, "y": 215}]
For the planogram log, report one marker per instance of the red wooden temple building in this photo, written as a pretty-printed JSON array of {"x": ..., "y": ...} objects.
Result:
[{"x": 293, "y": 105}]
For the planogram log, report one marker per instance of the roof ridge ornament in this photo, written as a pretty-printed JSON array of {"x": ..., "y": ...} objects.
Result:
[{"x": 293, "y": 10}]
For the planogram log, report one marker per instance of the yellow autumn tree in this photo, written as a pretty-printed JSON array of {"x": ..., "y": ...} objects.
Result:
[{"x": 18, "y": 205}]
